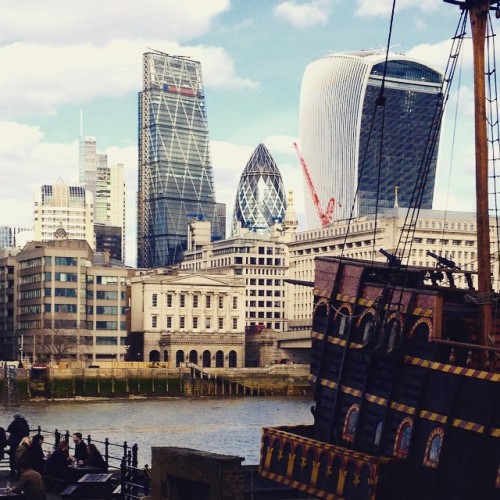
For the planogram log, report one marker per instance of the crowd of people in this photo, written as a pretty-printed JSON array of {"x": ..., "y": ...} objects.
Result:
[{"x": 29, "y": 462}]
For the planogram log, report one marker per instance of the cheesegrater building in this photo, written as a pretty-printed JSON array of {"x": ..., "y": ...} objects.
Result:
[
  {"x": 175, "y": 172},
  {"x": 342, "y": 147}
]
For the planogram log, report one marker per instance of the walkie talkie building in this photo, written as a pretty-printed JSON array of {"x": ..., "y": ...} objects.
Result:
[
  {"x": 175, "y": 172},
  {"x": 341, "y": 135}
]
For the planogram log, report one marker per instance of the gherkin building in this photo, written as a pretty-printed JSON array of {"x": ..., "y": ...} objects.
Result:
[{"x": 260, "y": 199}]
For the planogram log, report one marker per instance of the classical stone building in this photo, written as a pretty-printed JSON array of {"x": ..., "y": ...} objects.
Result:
[{"x": 180, "y": 317}]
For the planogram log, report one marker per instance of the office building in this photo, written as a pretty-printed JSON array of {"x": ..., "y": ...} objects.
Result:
[
  {"x": 175, "y": 171},
  {"x": 71, "y": 303},
  {"x": 106, "y": 184},
  {"x": 8, "y": 341},
  {"x": 341, "y": 145},
  {"x": 448, "y": 234},
  {"x": 260, "y": 259},
  {"x": 61, "y": 207},
  {"x": 109, "y": 239},
  {"x": 260, "y": 198}
]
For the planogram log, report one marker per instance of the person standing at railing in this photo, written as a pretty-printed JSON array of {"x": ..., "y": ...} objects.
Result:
[{"x": 17, "y": 429}]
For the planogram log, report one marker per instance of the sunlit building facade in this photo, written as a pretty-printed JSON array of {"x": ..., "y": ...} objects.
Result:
[
  {"x": 60, "y": 206},
  {"x": 175, "y": 171},
  {"x": 260, "y": 198},
  {"x": 349, "y": 147}
]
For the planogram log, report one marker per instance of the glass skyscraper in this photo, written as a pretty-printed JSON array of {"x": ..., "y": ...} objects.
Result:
[
  {"x": 260, "y": 199},
  {"x": 175, "y": 172},
  {"x": 341, "y": 140}
]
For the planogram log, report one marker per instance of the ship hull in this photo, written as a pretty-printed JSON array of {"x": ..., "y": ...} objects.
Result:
[{"x": 398, "y": 414}]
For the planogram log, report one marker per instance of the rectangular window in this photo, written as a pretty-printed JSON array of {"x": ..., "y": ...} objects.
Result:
[
  {"x": 182, "y": 322},
  {"x": 169, "y": 300},
  {"x": 154, "y": 300},
  {"x": 154, "y": 321},
  {"x": 235, "y": 302},
  {"x": 169, "y": 321},
  {"x": 221, "y": 301},
  {"x": 208, "y": 302},
  {"x": 182, "y": 300},
  {"x": 208, "y": 323},
  {"x": 106, "y": 341},
  {"x": 195, "y": 301},
  {"x": 235, "y": 323},
  {"x": 221, "y": 323},
  {"x": 195, "y": 323}
]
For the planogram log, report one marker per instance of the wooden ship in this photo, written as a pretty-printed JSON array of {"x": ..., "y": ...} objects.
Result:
[{"x": 404, "y": 366}]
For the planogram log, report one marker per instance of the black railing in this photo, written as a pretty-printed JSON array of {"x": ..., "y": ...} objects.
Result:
[{"x": 133, "y": 481}]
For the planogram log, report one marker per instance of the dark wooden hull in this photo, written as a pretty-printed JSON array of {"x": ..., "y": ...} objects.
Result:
[{"x": 398, "y": 414}]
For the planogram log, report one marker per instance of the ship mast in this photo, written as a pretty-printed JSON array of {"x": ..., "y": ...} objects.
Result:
[{"x": 478, "y": 14}]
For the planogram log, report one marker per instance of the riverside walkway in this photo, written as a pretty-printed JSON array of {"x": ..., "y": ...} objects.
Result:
[{"x": 123, "y": 480}]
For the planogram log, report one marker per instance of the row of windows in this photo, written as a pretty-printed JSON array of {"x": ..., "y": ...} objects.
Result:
[
  {"x": 195, "y": 323},
  {"x": 30, "y": 294},
  {"x": 106, "y": 310},
  {"x": 105, "y": 295},
  {"x": 110, "y": 340},
  {"x": 264, "y": 293},
  {"x": 403, "y": 437},
  {"x": 106, "y": 280},
  {"x": 195, "y": 301},
  {"x": 262, "y": 314},
  {"x": 267, "y": 303}
]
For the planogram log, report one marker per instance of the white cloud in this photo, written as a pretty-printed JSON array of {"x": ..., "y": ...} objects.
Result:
[
  {"x": 52, "y": 76},
  {"x": 27, "y": 163},
  {"x": 68, "y": 23},
  {"x": 302, "y": 15},
  {"x": 383, "y": 7}
]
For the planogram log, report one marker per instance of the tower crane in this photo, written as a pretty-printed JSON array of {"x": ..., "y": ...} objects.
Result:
[{"x": 325, "y": 216}]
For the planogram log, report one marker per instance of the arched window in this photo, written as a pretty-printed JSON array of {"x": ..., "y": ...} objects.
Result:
[
  {"x": 165, "y": 356},
  {"x": 378, "y": 434},
  {"x": 193, "y": 357},
  {"x": 154, "y": 356},
  {"x": 206, "y": 359},
  {"x": 403, "y": 437},
  {"x": 351, "y": 421},
  {"x": 433, "y": 448},
  {"x": 219, "y": 359},
  {"x": 179, "y": 358},
  {"x": 233, "y": 359},
  {"x": 368, "y": 331},
  {"x": 394, "y": 336}
]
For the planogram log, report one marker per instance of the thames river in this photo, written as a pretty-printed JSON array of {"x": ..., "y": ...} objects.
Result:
[{"x": 230, "y": 426}]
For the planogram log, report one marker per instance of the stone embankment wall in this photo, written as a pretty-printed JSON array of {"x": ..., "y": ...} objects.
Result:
[{"x": 57, "y": 383}]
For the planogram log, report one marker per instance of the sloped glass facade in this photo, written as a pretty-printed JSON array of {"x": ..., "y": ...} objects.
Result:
[
  {"x": 260, "y": 199},
  {"x": 337, "y": 102},
  {"x": 175, "y": 171}
]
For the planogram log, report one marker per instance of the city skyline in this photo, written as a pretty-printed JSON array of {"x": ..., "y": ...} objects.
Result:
[{"x": 253, "y": 57}]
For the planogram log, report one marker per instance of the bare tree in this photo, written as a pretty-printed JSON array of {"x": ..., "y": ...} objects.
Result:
[{"x": 57, "y": 344}]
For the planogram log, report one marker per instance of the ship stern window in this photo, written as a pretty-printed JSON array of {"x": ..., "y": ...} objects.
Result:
[
  {"x": 351, "y": 421},
  {"x": 403, "y": 438},
  {"x": 433, "y": 448}
]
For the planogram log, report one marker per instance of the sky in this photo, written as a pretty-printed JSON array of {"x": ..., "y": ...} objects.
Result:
[{"x": 61, "y": 60}]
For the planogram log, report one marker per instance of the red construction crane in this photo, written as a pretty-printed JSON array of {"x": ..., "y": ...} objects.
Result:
[{"x": 325, "y": 216}]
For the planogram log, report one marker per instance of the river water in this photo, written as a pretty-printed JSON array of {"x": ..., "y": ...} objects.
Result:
[{"x": 230, "y": 426}]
